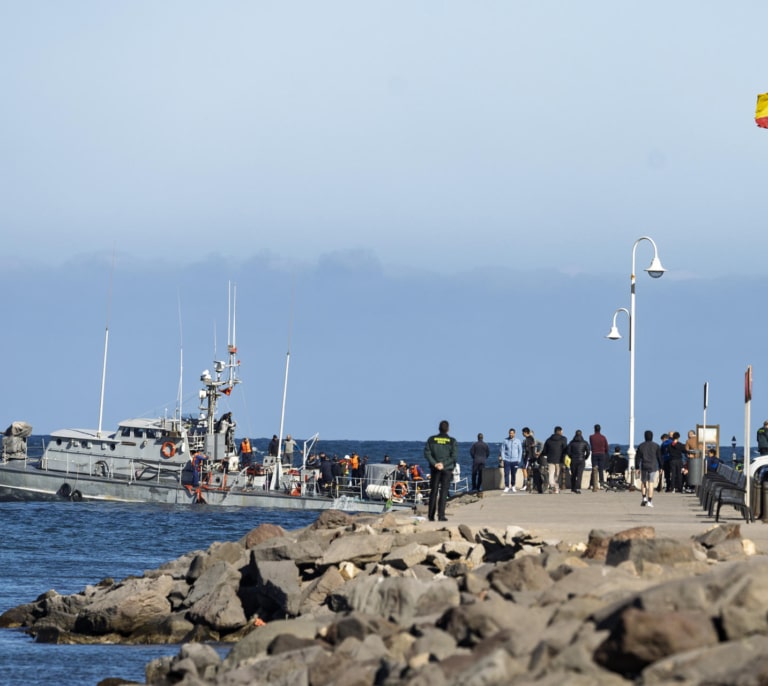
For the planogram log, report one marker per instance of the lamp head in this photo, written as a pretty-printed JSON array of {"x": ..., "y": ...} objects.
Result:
[
  {"x": 655, "y": 270},
  {"x": 614, "y": 334}
]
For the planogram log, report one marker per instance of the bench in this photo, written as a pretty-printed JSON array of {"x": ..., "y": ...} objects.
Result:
[{"x": 731, "y": 492}]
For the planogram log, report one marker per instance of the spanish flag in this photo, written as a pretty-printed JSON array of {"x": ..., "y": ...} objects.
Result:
[{"x": 761, "y": 112}]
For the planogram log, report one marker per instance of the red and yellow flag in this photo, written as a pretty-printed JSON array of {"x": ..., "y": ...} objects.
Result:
[{"x": 761, "y": 112}]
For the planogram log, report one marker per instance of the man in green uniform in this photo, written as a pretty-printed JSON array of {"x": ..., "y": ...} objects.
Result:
[{"x": 440, "y": 452}]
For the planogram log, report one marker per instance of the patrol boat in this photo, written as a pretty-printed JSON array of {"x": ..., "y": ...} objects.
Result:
[{"x": 182, "y": 461}]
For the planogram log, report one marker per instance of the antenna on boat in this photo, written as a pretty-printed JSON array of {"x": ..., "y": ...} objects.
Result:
[
  {"x": 285, "y": 381},
  {"x": 106, "y": 347},
  {"x": 181, "y": 362}
]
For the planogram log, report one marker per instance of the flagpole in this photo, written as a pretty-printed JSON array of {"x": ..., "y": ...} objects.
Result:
[{"x": 747, "y": 430}]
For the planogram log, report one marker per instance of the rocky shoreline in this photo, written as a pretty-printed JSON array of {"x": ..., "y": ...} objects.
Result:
[{"x": 386, "y": 600}]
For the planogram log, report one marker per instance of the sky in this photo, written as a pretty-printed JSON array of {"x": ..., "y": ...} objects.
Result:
[{"x": 433, "y": 205}]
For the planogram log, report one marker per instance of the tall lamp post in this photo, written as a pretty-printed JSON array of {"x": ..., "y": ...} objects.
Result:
[{"x": 655, "y": 270}]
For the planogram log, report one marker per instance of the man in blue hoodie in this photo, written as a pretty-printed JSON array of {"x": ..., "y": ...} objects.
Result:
[{"x": 511, "y": 453}]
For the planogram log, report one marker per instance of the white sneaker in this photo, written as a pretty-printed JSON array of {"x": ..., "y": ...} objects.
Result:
[
  {"x": 513, "y": 489},
  {"x": 506, "y": 490},
  {"x": 649, "y": 504}
]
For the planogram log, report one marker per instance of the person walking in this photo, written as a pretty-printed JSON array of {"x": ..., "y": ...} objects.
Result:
[
  {"x": 554, "y": 451},
  {"x": 648, "y": 462},
  {"x": 479, "y": 453},
  {"x": 511, "y": 452},
  {"x": 578, "y": 451},
  {"x": 440, "y": 452},
  {"x": 598, "y": 444}
]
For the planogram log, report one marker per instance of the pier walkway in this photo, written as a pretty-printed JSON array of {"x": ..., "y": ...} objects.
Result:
[{"x": 570, "y": 517}]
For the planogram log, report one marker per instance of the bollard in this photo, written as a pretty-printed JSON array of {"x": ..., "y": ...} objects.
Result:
[
  {"x": 757, "y": 494},
  {"x": 763, "y": 501}
]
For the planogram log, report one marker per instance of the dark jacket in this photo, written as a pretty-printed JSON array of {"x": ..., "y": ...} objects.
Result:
[
  {"x": 441, "y": 448},
  {"x": 326, "y": 472},
  {"x": 578, "y": 449},
  {"x": 554, "y": 448},
  {"x": 648, "y": 456},
  {"x": 762, "y": 438},
  {"x": 479, "y": 452},
  {"x": 529, "y": 450},
  {"x": 677, "y": 450}
]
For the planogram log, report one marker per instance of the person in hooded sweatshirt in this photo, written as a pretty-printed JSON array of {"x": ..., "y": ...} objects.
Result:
[
  {"x": 648, "y": 461},
  {"x": 578, "y": 451}
]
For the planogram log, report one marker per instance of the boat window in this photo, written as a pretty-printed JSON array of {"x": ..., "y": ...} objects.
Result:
[
  {"x": 137, "y": 433},
  {"x": 125, "y": 431},
  {"x": 58, "y": 441}
]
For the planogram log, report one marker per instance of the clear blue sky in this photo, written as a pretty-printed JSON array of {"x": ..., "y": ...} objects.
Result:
[{"x": 437, "y": 199}]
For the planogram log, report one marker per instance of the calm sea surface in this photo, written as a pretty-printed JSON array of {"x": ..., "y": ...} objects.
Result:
[{"x": 66, "y": 546}]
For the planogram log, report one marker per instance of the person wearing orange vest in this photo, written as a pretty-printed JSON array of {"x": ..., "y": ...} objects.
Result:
[
  {"x": 354, "y": 466},
  {"x": 246, "y": 453}
]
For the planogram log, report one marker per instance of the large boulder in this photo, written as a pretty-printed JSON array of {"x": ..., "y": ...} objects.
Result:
[{"x": 126, "y": 607}]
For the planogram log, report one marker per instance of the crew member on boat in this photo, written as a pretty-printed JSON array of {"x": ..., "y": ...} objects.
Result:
[
  {"x": 326, "y": 472},
  {"x": 415, "y": 472},
  {"x": 226, "y": 426},
  {"x": 246, "y": 453}
]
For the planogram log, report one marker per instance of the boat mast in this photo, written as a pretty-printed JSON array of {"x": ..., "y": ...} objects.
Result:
[
  {"x": 221, "y": 383},
  {"x": 106, "y": 348},
  {"x": 276, "y": 477},
  {"x": 181, "y": 366}
]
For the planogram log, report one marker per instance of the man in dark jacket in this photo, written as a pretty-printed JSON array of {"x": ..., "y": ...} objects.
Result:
[
  {"x": 440, "y": 453},
  {"x": 479, "y": 453},
  {"x": 554, "y": 452},
  {"x": 648, "y": 461},
  {"x": 599, "y": 446},
  {"x": 326, "y": 473},
  {"x": 578, "y": 451},
  {"x": 762, "y": 438}
]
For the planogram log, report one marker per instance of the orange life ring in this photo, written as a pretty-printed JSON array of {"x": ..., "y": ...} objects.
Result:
[
  {"x": 400, "y": 489},
  {"x": 168, "y": 450}
]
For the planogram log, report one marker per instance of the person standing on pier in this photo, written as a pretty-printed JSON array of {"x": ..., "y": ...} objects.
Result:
[
  {"x": 511, "y": 452},
  {"x": 578, "y": 451},
  {"x": 599, "y": 446},
  {"x": 441, "y": 454},
  {"x": 479, "y": 452},
  {"x": 554, "y": 452}
]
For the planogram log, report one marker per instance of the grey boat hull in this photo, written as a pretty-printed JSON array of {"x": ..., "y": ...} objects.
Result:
[{"x": 23, "y": 480}]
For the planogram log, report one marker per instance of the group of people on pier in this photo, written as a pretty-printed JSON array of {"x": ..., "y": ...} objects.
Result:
[{"x": 559, "y": 463}]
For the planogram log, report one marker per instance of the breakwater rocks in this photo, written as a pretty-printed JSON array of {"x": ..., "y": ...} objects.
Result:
[{"x": 390, "y": 600}]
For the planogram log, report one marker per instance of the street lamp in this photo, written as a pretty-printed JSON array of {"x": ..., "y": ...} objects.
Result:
[{"x": 655, "y": 270}]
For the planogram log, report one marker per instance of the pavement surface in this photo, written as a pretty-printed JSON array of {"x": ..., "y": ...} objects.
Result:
[{"x": 569, "y": 516}]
